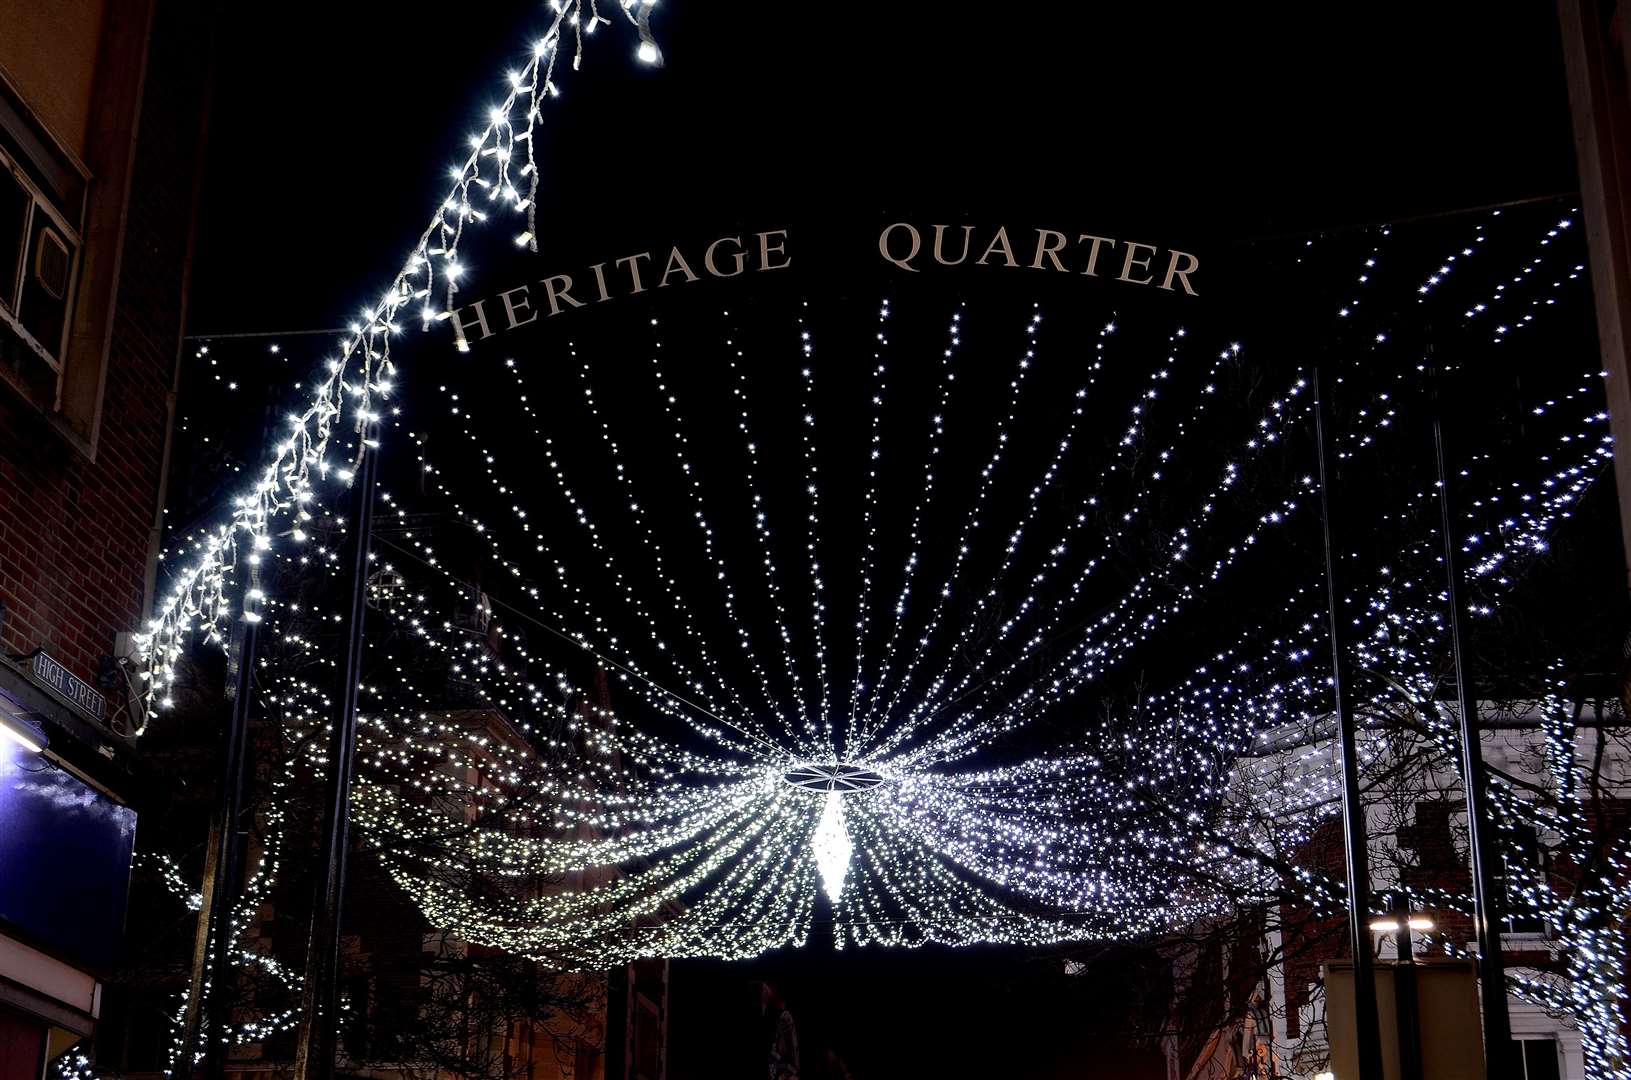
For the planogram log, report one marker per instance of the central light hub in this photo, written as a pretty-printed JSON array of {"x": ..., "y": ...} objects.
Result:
[
  {"x": 841, "y": 779},
  {"x": 829, "y": 836}
]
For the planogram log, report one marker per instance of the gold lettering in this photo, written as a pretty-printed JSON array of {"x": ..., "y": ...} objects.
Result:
[
  {"x": 1131, "y": 260},
  {"x": 599, "y": 270},
  {"x": 511, "y": 307},
  {"x": 765, "y": 250},
  {"x": 634, "y": 268},
  {"x": 1093, "y": 253},
  {"x": 460, "y": 325},
  {"x": 1050, "y": 250},
  {"x": 939, "y": 237},
  {"x": 905, "y": 261},
  {"x": 740, "y": 256},
  {"x": 676, "y": 262},
  {"x": 564, "y": 293},
  {"x": 999, "y": 241},
  {"x": 1181, "y": 275}
]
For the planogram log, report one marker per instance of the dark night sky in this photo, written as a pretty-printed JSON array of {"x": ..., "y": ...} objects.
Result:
[{"x": 334, "y": 125}]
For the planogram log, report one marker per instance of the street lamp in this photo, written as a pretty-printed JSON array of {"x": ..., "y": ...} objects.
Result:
[{"x": 1401, "y": 920}]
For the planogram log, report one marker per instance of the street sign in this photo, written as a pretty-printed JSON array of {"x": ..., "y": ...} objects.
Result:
[{"x": 70, "y": 686}]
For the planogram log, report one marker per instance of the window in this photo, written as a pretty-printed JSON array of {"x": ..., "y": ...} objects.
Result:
[
  {"x": 1523, "y": 861},
  {"x": 39, "y": 250},
  {"x": 15, "y": 204},
  {"x": 1539, "y": 1058}
]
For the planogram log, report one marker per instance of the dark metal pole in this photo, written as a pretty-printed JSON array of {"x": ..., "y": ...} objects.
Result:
[
  {"x": 319, "y": 1014},
  {"x": 1405, "y": 1009},
  {"x": 1367, "y": 1023},
  {"x": 204, "y": 1022},
  {"x": 1486, "y": 918}
]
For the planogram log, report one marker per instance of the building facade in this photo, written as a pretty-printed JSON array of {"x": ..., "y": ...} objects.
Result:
[
  {"x": 1271, "y": 972},
  {"x": 102, "y": 122}
]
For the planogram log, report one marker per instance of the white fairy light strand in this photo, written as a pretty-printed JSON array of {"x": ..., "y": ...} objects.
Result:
[{"x": 364, "y": 370}]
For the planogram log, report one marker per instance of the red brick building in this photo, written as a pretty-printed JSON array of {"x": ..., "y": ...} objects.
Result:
[
  {"x": 102, "y": 121},
  {"x": 1251, "y": 999}
]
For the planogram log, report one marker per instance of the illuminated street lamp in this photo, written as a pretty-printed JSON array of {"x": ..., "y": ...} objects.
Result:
[{"x": 1401, "y": 920}]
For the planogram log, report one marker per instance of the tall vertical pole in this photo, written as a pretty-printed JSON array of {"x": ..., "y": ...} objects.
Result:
[
  {"x": 1486, "y": 918},
  {"x": 319, "y": 1014},
  {"x": 1367, "y": 1023},
  {"x": 204, "y": 1022},
  {"x": 1406, "y": 1011},
  {"x": 1596, "y": 56}
]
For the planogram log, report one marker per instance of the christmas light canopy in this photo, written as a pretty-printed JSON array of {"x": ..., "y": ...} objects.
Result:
[
  {"x": 945, "y": 632},
  {"x": 837, "y": 698}
]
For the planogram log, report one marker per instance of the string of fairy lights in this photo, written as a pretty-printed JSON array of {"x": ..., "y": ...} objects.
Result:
[
  {"x": 652, "y": 847},
  {"x": 500, "y": 175},
  {"x": 632, "y": 751},
  {"x": 676, "y": 817},
  {"x": 754, "y": 904}
]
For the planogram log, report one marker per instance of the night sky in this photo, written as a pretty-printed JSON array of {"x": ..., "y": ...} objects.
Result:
[{"x": 333, "y": 128}]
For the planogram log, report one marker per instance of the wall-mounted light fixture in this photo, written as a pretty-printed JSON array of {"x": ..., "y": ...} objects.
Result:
[{"x": 15, "y": 727}]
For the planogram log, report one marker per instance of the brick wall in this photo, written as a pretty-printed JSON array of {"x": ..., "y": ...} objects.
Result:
[{"x": 74, "y": 533}]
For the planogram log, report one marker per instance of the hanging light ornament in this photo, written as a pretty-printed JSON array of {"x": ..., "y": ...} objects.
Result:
[
  {"x": 831, "y": 845},
  {"x": 830, "y": 842}
]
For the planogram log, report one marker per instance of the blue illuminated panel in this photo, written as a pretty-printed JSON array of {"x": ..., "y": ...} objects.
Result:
[{"x": 64, "y": 858}]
